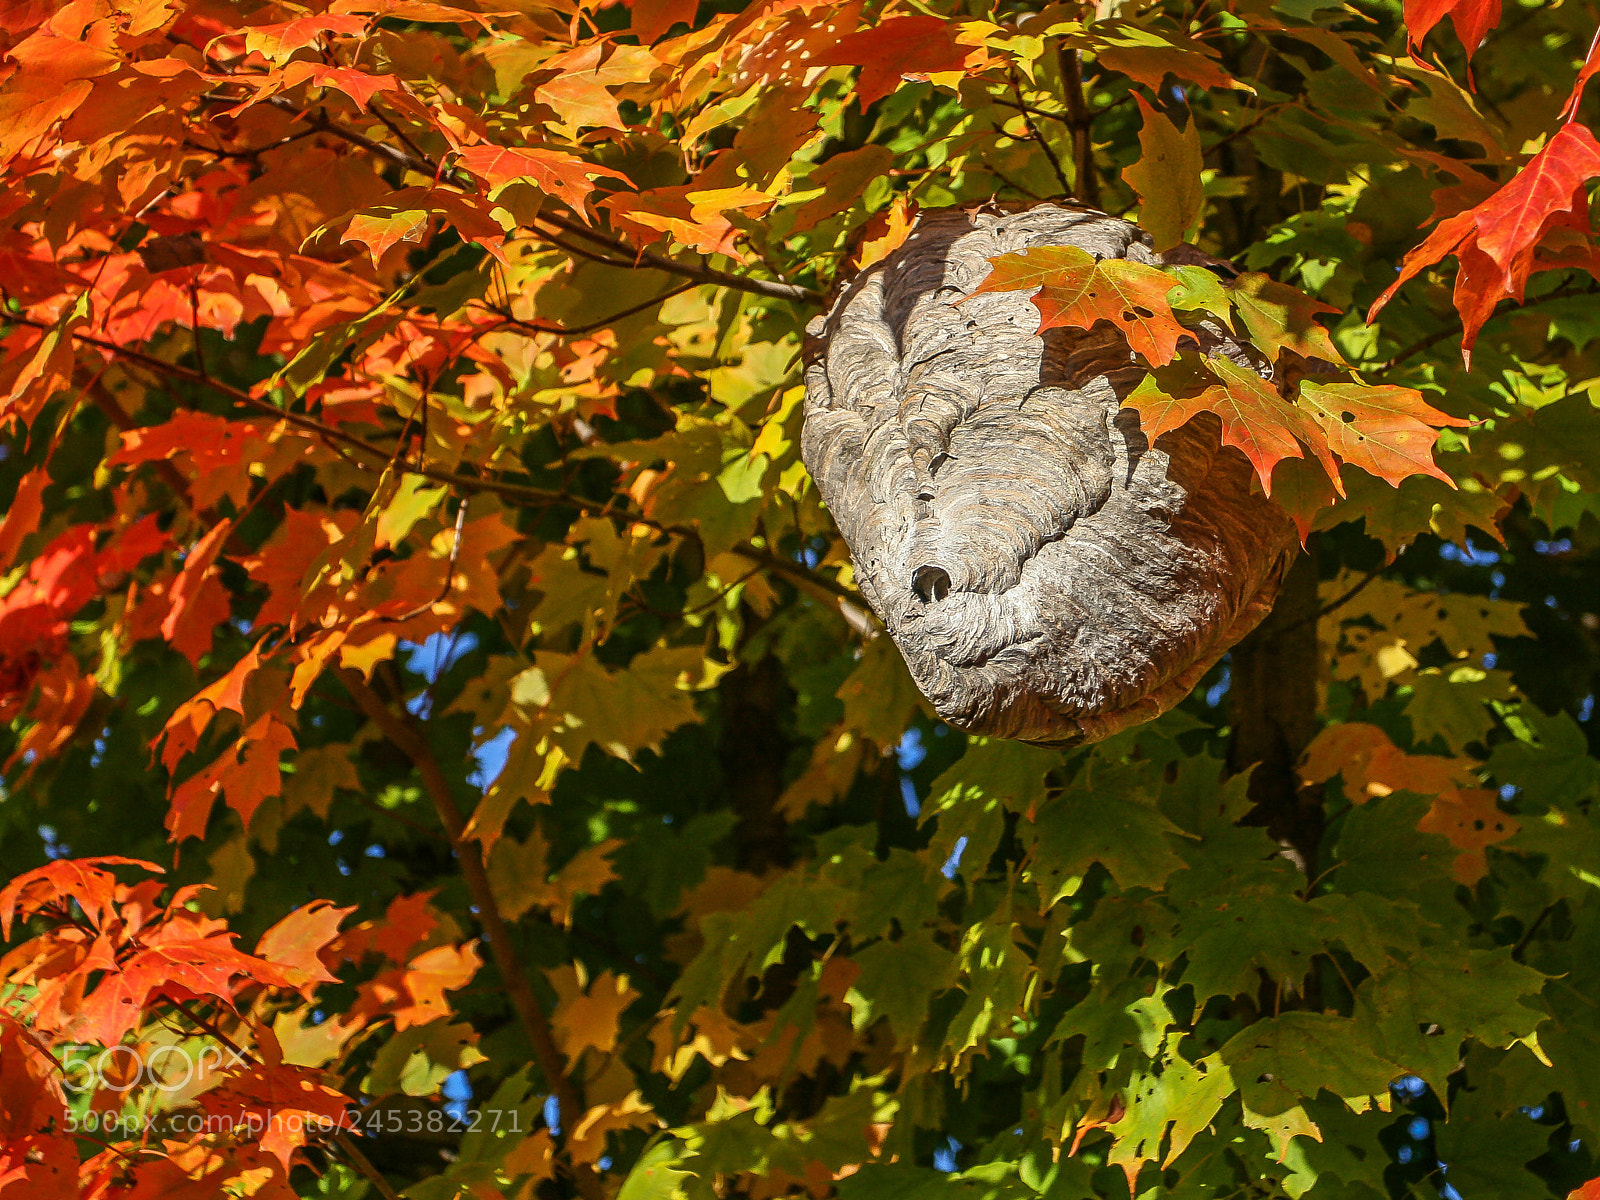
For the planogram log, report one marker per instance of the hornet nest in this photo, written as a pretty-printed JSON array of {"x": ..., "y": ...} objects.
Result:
[{"x": 1048, "y": 573}]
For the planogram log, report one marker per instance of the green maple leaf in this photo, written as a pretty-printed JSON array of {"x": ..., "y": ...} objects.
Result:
[
  {"x": 1381, "y": 851},
  {"x": 1279, "y": 317},
  {"x": 1424, "y": 1006},
  {"x": 1282, "y": 1061},
  {"x": 971, "y": 797},
  {"x": 656, "y": 1176},
  {"x": 899, "y": 980},
  {"x": 1548, "y": 758},
  {"x": 1489, "y": 1152},
  {"x": 1107, "y": 816},
  {"x": 1174, "y": 1093},
  {"x": 1453, "y": 704},
  {"x": 1166, "y": 175}
]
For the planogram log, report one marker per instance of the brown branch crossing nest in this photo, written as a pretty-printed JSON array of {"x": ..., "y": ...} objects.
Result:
[{"x": 1048, "y": 574}]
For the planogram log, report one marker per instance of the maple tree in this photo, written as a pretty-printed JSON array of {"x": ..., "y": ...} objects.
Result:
[{"x": 445, "y": 752}]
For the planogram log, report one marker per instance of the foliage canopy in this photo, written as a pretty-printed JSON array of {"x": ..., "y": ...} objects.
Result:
[{"x": 438, "y": 710}]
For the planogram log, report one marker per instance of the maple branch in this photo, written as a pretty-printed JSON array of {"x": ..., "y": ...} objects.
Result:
[
  {"x": 413, "y": 743},
  {"x": 340, "y": 1139},
  {"x": 425, "y": 165},
  {"x": 359, "y": 1160},
  {"x": 1079, "y": 121},
  {"x": 535, "y": 327},
  {"x": 1261, "y": 116},
  {"x": 776, "y": 289},
  {"x": 239, "y": 395},
  {"x": 1522, "y": 942},
  {"x": 578, "y": 252},
  {"x": 1332, "y": 605},
  {"x": 395, "y": 128},
  {"x": 1433, "y": 339},
  {"x": 796, "y": 571},
  {"x": 1064, "y": 118},
  {"x": 449, "y": 569},
  {"x": 521, "y": 493}
]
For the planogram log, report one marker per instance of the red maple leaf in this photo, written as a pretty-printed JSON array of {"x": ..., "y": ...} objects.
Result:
[
  {"x": 1495, "y": 241},
  {"x": 900, "y": 46},
  {"x": 78, "y": 879},
  {"x": 281, "y": 1106},
  {"x": 179, "y": 959},
  {"x": 31, "y": 635},
  {"x": 1387, "y": 431},
  {"x": 180, "y": 624},
  {"x": 283, "y": 38},
  {"x": 1256, "y": 419},
  {"x": 652, "y": 18},
  {"x": 1472, "y": 18},
  {"x": 1549, "y": 187},
  {"x": 358, "y": 85},
  {"x": 29, "y": 1084}
]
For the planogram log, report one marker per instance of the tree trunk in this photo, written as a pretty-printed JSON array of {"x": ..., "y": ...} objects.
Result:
[{"x": 1273, "y": 700}]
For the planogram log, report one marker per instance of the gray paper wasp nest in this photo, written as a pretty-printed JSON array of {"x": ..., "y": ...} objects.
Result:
[{"x": 1048, "y": 574}]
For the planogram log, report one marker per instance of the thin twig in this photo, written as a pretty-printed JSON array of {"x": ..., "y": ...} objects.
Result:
[
  {"x": 1522, "y": 942},
  {"x": 574, "y": 331},
  {"x": 363, "y": 1164},
  {"x": 1451, "y": 330},
  {"x": 449, "y": 570},
  {"x": 777, "y": 289},
  {"x": 1020, "y": 107},
  {"x": 1245, "y": 128},
  {"x": 1033, "y": 130},
  {"x": 395, "y": 128},
  {"x": 467, "y": 484},
  {"x": 404, "y": 732},
  {"x": 1351, "y": 594},
  {"x": 194, "y": 327},
  {"x": 1331, "y": 606}
]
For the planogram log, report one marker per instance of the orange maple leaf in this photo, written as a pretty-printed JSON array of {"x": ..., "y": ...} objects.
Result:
[
  {"x": 565, "y": 176},
  {"x": 1077, "y": 289},
  {"x": 295, "y": 944},
  {"x": 1256, "y": 419},
  {"x": 1386, "y": 430}
]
